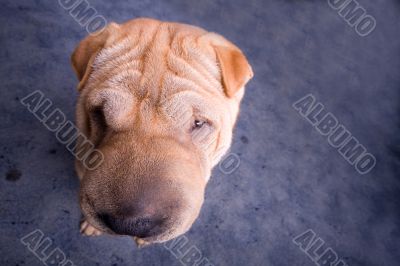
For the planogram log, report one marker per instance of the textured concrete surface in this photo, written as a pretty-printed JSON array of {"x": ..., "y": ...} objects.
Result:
[{"x": 289, "y": 180}]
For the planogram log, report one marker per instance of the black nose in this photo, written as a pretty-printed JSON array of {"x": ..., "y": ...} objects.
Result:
[{"x": 140, "y": 227}]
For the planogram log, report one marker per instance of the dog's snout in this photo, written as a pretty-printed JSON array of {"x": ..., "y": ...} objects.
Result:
[{"x": 141, "y": 227}]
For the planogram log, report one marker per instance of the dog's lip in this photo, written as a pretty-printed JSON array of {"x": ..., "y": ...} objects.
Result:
[
  {"x": 98, "y": 224},
  {"x": 90, "y": 214}
]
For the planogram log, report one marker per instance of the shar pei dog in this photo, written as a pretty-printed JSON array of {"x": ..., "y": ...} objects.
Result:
[{"x": 159, "y": 100}]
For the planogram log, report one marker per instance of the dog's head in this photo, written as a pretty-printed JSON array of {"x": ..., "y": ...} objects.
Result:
[{"x": 159, "y": 100}]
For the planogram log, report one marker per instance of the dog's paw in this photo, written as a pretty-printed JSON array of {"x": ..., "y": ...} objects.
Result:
[{"x": 88, "y": 230}]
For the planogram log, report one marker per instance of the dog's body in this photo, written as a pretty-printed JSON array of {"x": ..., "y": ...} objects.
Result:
[{"x": 159, "y": 100}]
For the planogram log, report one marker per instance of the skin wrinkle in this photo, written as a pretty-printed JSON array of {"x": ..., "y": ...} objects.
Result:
[
  {"x": 134, "y": 65},
  {"x": 204, "y": 66},
  {"x": 167, "y": 51},
  {"x": 109, "y": 56},
  {"x": 192, "y": 76},
  {"x": 146, "y": 75},
  {"x": 194, "y": 58},
  {"x": 108, "y": 61},
  {"x": 150, "y": 72}
]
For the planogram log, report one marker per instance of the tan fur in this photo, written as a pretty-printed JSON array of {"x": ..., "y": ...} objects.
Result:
[{"x": 142, "y": 85}]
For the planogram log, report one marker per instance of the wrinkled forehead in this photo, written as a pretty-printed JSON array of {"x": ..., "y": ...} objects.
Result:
[
  {"x": 160, "y": 62},
  {"x": 175, "y": 69}
]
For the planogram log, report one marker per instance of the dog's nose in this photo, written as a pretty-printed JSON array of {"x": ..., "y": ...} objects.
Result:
[{"x": 133, "y": 226}]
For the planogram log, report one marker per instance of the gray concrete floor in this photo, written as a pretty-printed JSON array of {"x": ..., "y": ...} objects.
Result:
[{"x": 290, "y": 179}]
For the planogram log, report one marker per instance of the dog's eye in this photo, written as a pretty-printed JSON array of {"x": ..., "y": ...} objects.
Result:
[
  {"x": 98, "y": 124},
  {"x": 198, "y": 123},
  {"x": 98, "y": 117}
]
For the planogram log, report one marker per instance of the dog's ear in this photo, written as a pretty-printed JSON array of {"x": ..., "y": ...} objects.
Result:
[
  {"x": 235, "y": 69},
  {"x": 84, "y": 54}
]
